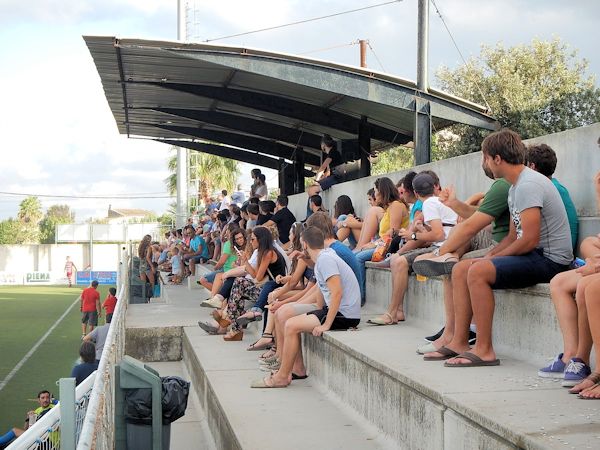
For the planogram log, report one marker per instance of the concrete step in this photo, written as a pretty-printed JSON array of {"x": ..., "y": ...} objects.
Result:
[
  {"x": 525, "y": 324},
  {"x": 423, "y": 405},
  {"x": 301, "y": 417},
  {"x": 201, "y": 269}
]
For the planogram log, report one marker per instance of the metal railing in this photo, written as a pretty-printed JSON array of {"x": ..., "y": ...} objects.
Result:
[
  {"x": 45, "y": 433},
  {"x": 98, "y": 430}
]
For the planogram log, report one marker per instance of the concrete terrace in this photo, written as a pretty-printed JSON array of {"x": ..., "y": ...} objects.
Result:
[{"x": 367, "y": 388}]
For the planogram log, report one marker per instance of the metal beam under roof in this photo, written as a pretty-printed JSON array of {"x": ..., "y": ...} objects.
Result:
[{"x": 262, "y": 101}]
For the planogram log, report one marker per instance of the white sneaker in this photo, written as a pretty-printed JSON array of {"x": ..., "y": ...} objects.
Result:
[{"x": 214, "y": 302}]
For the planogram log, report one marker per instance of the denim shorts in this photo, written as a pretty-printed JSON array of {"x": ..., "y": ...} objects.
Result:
[
  {"x": 514, "y": 272},
  {"x": 327, "y": 182},
  {"x": 210, "y": 276}
]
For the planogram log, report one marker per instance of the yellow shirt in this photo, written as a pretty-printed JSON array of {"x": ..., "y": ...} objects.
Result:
[{"x": 384, "y": 225}]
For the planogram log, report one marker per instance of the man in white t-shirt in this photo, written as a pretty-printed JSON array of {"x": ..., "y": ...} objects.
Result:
[
  {"x": 225, "y": 201},
  {"x": 438, "y": 220},
  {"x": 338, "y": 303}
]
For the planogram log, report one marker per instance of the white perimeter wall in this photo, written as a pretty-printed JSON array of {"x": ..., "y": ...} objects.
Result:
[{"x": 51, "y": 257}]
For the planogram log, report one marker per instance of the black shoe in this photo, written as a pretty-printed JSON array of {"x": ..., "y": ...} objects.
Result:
[
  {"x": 472, "y": 337},
  {"x": 436, "y": 336}
]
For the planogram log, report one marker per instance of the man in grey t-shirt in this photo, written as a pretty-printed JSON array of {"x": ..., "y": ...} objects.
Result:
[
  {"x": 537, "y": 247},
  {"x": 98, "y": 337},
  {"x": 338, "y": 305}
]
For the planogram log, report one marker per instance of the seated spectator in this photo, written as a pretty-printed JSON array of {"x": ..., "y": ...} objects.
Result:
[
  {"x": 342, "y": 210},
  {"x": 198, "y": 252},
  {"x": 110, "y": 303},
  {"x": 315, "y": 203},
  {"x": 267, "y": 207},
  {"x": 569, "y": 292},
  {"x": 253, "y": 212},
  {"x": 542, "y": 159},
  {"x": 228, "y": 256},
  {"x": 235, "y": 214},
  {"x": 328, "y": 174},
  {"x": 307, "y": 302},
  {"x": 44, "y": 399},
  {"x": 368, "y": 228},
  {"x": 283, "y": 218},
  {"x": 98, "y": 337},
  {"x": 244, "y": 214},
  {"x": 87, "y": 352},
  {"x": 270, "y": 264},
  {"x": 394, "y": 218},
  {"x": 438, "y": 219},
  {"x": 469, "y": 239},
  {"x": 338, "y": 306},
  {"x": 537, "y": 248},
  {"x": 589, "y": 388}
]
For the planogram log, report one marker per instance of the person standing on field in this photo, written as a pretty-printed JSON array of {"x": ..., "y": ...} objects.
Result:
[
  {"x": 70, "y": 269},
  {"x": 90, "y": 307}
]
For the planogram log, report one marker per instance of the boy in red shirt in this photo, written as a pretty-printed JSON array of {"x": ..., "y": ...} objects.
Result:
[
  {"x": 90, "y": 307},
  {"x": 110, "y": 303}
]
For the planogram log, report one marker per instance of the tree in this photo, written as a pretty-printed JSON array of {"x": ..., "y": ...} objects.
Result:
[
  {"x": 212, "y": 172},
  {"x": 28, "y": 218},
  {"x": 9, "y": 231},
  {"x": 537, "y": 89},
  {"x": 55, "y": 215}
]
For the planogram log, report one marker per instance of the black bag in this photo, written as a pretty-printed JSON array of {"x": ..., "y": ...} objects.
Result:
[{"x": 138, "y": 402}]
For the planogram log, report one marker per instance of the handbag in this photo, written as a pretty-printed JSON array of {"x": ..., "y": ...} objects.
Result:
[{"x": 383, "y": 246}]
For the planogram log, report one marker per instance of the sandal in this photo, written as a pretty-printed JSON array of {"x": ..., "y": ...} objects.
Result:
[
  {"x": 243, "y": 321},
  {"x": 254, "y": 347},
  {"x": 268, "y": 354},
  {"x": 594, "y": 378},
  {"x": 382, "y": 320}
]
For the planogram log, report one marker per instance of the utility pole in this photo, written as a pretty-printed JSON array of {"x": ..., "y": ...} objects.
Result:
[
  {"x": 422, "y": 134},
  {"x": 182, "y": 154},
  {"x": 363, "y": 52}
]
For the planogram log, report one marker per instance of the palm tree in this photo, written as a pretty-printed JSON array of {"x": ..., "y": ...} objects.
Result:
[{"x": 212, "y": 172}]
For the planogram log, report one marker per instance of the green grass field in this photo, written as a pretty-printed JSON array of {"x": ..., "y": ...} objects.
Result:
[{"x": 27, "y": 312}]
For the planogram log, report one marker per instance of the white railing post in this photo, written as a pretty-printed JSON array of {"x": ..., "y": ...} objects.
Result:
[{"x": 67, "y": 413}]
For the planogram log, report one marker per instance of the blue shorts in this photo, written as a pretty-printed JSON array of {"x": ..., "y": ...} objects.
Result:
[
  {"x": 210, "y": 276},
  {"x": 199, "y": 259},
  {"x": 514, "y": 272}
]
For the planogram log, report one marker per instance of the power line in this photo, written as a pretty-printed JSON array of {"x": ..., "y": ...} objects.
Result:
[
  {"x": 329, "y": 48},
  {"x": 376, "y": 57},
  {"x": 303, "y": 21},
  {"x": 460, "y": 53},
  {"x": 117, "y": 196}
]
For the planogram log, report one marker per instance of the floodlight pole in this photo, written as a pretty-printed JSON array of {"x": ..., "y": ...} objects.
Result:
[
  {"x": 182, "y": 154},
  {"x": 422, "y": 134}
]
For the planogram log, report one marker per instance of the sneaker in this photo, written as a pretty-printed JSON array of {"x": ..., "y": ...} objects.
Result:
[
  {"x": 436, "y": 336},
  {"x": 214, "y": 302},
  {"x": 576, "y": 372},
  {"x": 433, "y": 267},
  {"x": 556, "y": 369}
]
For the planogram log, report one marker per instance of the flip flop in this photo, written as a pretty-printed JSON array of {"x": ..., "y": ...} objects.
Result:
[
  {"x": 475, "y": 361},
  {"x": 299, "y": 377},
  {"x": 381, "y": 320},
  {"x": 444, "y": 351},
  {"x": 262, "y": 384}
]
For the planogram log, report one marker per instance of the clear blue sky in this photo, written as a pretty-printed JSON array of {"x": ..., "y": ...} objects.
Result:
[{"x": 59, "y": 136}]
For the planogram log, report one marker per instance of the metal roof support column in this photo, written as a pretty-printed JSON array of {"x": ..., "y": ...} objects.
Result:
[
  {"x": 299, "y": 171},
  {"x": 364, "y": 146},
  {"x": 422, "y": 138}
]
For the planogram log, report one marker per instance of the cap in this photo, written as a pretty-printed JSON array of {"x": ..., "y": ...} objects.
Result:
[{"x": 423, "y": 184}]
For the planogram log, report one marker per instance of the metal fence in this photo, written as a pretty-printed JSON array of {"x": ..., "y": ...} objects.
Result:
[
  {"x": 45, "y": 433},
  {"x": 98, "y": 430}
]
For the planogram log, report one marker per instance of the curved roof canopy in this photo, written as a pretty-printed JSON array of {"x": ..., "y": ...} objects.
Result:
[{"x": 259, "y": 106}]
